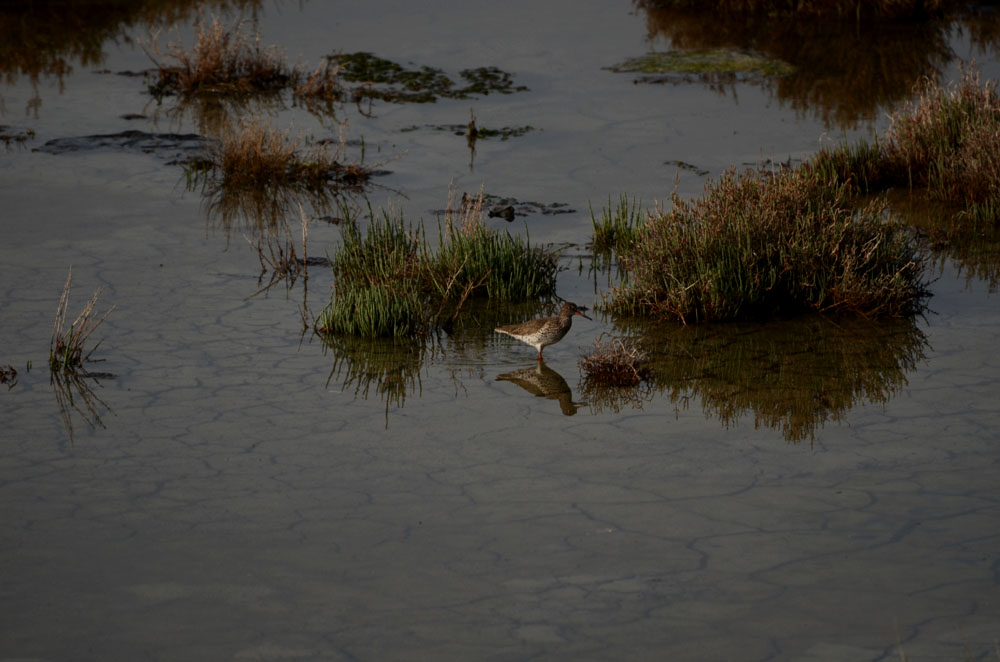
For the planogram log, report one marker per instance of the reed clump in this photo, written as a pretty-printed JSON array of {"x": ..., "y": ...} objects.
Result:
[
  {"x": 223, "y": 60},
  {"x": 229, "y": 61},
  {"x": 473, "y": 260},
  {"x": 377, "y": 289},
  {"x": 389, "y": 282},
  {"x": 617, "y": 227},
  {"x": 67, "y": 351},
  {"x": 256, "y": 156},
  {"x": 614, "y": 362},
  {"x": 760, "y": 245}
]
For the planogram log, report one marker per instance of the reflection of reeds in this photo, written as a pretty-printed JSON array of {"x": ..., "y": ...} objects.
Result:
[
  {"x": 975, "y": 247},
  {"x": 66, "y": 349},
  {"x": 602, "y": 397},
  {"x": 279, "y": 255},
  {"x": 826, "y": 8},
  {"x": 392, "y": 366},
  {"x": 876, "y": 63},
  {"x": 49, "y": 37},
  {"x": 73, "y": 393},
  {"x": 793, "y": 375}
]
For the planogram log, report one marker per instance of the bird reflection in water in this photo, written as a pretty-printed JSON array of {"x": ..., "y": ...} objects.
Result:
[{"x": 544, "y": 382}]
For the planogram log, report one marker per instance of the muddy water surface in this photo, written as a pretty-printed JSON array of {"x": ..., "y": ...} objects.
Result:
[{"x": 238, "y": 490}]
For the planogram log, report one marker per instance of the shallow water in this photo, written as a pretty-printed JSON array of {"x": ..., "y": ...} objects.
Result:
[{"x": 250, "y": 494}]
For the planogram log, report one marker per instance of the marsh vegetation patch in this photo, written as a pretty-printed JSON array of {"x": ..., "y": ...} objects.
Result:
[
  {"x": 389, "y": 280},
  {"x": 380, "y": 78},
  {"x": 10, "y": 136}
]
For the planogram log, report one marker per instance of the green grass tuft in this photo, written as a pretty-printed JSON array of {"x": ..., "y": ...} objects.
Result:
[
  {"x": 618, "y": 227},
  {"x": 388, "y": 282}
]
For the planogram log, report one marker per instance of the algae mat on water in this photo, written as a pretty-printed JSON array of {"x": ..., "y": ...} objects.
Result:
[{"x": 712, "y": 61}]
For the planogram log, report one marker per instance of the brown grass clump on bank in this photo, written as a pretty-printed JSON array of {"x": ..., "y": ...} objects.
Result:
[
  {"x": 945, "y": 141},
  {"x": 759, "y": 245},
  {"x": 223, "y": 61},
  {"x": 255, "y": 156},
  {"x": 322, "y": 83}
]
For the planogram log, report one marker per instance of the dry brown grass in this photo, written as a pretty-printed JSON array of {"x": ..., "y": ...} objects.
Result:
[
  {"x": 615, "y": 362},
  {"x": 321, "y": 84},
  {"x": 253, "y": 155},
  {"x": 227, "y": 60},
  {"x": 944, "y": 141},
  {"x": 757, "y": 244},
  {"x": 66, "y": 349},
  {"x": 947, "y": 140},
  {"x": 223, "y": 60}
]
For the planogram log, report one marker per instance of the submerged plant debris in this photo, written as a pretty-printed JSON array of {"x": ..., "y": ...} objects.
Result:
[
  {"x": 508, "y": 207},
  {"x": 615, "y": 362},
  {"x": 9, "y": 136},
  {"x": 8, "y": 376},
  {"x": 384, "y": 79},
  {"x": 180, "y": 147},
  {"x": 688, "y": 167},
  {"x": 715, "y": 61},
  {"x": 480, "y": 133}
]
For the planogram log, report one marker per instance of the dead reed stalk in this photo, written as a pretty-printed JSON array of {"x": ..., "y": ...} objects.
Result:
[
  {"x": 66, "y": 349},
  {"x": 223, "y": 60},
  {"x": 615, "y": 362}
]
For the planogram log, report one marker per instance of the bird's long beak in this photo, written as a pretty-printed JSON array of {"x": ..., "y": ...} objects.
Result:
[{"x": 580, "y": 313}]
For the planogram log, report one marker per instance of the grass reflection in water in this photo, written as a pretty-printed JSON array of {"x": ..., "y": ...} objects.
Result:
[{"x": 793, "y": 375}]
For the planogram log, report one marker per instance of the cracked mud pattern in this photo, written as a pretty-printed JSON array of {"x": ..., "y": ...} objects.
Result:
[
  {"x": 236, "y": 503},
  {"x": 297, "y": 525}
]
